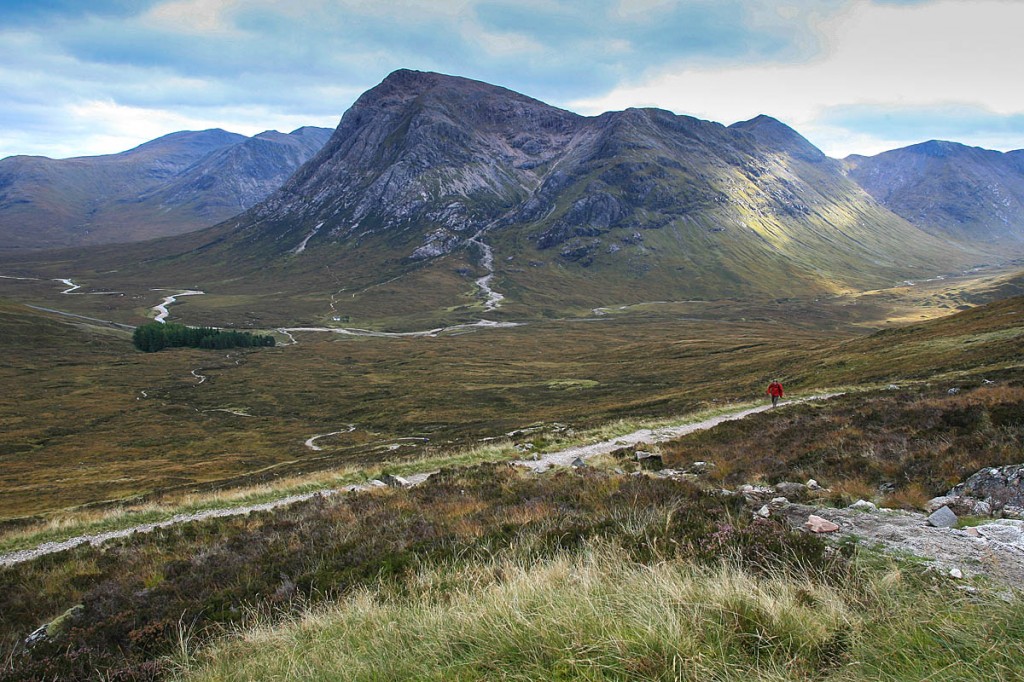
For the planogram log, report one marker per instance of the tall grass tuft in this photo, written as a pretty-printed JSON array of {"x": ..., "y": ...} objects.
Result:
[{"x": 598, "y": 615}]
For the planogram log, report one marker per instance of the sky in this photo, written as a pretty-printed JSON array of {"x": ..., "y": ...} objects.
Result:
[{"x": 85, "y": 77}]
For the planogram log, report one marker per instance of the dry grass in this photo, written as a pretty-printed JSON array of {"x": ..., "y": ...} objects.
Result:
[{"x": 599, "y": 616}]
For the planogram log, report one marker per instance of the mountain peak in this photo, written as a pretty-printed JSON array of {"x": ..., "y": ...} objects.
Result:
[
  {"x": 772, "y": 131},
  {"x": 937, "y": 148}
]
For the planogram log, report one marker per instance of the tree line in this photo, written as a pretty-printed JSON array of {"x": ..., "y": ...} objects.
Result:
[{"x": 155, "y": 336}]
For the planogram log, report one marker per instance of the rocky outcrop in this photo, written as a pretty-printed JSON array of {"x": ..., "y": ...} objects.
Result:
[
  {"x": 1000, "y": 487},
  {"x": 994, "y": 549}
]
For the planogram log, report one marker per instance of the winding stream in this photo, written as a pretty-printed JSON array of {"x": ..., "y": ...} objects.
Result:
[
  {"x": 311, "y": 441},
  {"x": 161, "y": 308},
  {"x": 494, "y": 299},
  {"x": 68, "y": 283}
]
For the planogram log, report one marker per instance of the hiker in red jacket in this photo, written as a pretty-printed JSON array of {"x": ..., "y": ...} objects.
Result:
[{"x": 775, "y": 391}]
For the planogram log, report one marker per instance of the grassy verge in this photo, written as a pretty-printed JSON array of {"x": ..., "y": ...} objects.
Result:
[{"x": 598, "y": 615}]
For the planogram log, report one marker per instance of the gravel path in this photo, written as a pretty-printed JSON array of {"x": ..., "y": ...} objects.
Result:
[
  {"x": 544, "y": 462},
  {"x": 564, "y": 458},
  {"x": 100, "y": 538}
]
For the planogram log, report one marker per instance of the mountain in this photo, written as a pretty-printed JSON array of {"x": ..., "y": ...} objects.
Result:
[
  {"x": 436, "y": 196},
  {"x": 174, "y": 184},
  {"x": 567, "y": 210},
  {"x": 950, "y": 190}
]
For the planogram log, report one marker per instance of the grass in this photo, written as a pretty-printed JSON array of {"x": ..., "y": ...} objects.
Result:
[
  {"x": 89, "y": 420},
  {"x": 917, "y": 441},
  {"x": 134, "y": 592},
  {"x": 140, "y": 597},
  {"x": 598, "y": 615},
  {"x": 540, "y": 439}
]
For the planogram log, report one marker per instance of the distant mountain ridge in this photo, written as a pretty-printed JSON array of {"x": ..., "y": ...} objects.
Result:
[
  {"x": 950, "y": 189},
  {"x": 439, "y": 198},
  {"x": 174, "y": 184},
  {"x": 425, "y": 165}
]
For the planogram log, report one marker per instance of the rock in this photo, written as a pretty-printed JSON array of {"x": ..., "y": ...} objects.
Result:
[
  {"x": 1001, "y": 487},
  {"x": 981, "y": 508},
  {"x": 619, "y": 471},
  {"x": 943, "y": 517},
  {"x": 816, "y": 524},
  {"x": 764, "y": 512},
  {"x": 892, "y": 387},
  {"x": 864, "y": 505},
  {"x": 377, "y": 483},
  {"x": 953, "y": 391},
  {"x": 812, "y": 484},
  {"x": 394, "y": 481},
  {"x": 38, "y": 635},
  {"x": 700, "y": 467},
  {"x": 649, "y": 460},
  {"x": 939, "y": 502},
  {"x": 790, "y": 489},
  {"x": 972, "y": 531},
  {"x": 956, "y": 573},
  {"x": 578, "y": 464},
  {"x": 779, "y": 501},
  {"x": 1006, "y": 531}
]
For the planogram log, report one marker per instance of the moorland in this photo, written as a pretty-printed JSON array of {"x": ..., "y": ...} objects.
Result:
[{"x": 464, "y": 277}]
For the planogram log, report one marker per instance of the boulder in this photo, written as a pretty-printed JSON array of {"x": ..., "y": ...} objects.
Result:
[
  {"x": 812, "y": 484},
  {"x": 790, "y": 489},
  {"x": 700, "y": 467},
  {"x": 578, "y": 464},
  {"x": 864, "y": 505},
  {"x": 649, "y": 460},
  {"x": 764, "y": 512},
  {"x": 943, "y": 517},
  {"x": 1001, "y": 487},
  {"x": 939, "y": 502},
  {"x": 816, "y": 524}
]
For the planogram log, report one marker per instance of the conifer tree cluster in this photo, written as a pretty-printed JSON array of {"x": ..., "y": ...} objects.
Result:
[{"x": 155, "y": 336}]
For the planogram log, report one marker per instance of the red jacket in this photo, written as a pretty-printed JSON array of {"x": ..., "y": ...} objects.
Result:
[{"x": 775, "y": 389}]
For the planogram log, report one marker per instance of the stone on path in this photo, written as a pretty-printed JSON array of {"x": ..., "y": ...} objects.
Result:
[
  {"x": 864, "y": 505},
  {"x": 943, "y": 517},
  {"x": 816, "y": 524},
  {"x": 394, "y": 481},
  {"x": 578, "y": 463}
]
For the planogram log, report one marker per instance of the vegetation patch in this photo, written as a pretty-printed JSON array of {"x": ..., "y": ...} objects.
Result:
[
  {"x": 601, "y": 615},
  {"x": 902, "y": 447},
  {"x": 136, "y": 595},
  {"x": 157, "y": 336}
]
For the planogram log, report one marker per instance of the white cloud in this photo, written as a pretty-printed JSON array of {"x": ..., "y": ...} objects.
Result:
[
  {"x": 937, "y": 54},
  {"x": 209, "y": 17}
]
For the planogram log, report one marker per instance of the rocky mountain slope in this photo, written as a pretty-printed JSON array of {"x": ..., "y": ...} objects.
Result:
[
  {"x": 569, "y": 210},
  {"x": 174, "y": 184},
  {"x": 438, "y": 198},
  {"x": 950, "y": 190}
]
